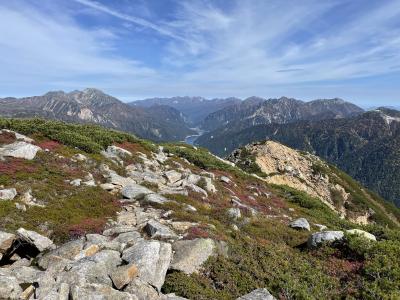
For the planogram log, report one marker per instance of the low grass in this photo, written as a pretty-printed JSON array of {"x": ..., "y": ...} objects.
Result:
[
  {"x": 86, "y": 210},
  {"x": 89, "y": 138}
]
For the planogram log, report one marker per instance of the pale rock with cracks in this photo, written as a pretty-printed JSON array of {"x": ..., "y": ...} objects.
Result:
[
  {"x": 20, "y": 150},
  {"x": 152, "y": 259},
  {"x": 191, "y": 254},
  {"x": 31, "y": 237}
]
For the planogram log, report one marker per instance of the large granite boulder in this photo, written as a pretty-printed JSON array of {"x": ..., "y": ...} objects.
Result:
[
  {"x": 123, "y": 275},
  {"x": 8, "y": 194},
  {"x": 321, "y": 237},
  {"x": 9, "y": 288},
  {"x": 191, "y": 254},
  {"x": 152, "y": 259},
  {"x": 301, "y": 224},
  {"x": 35, "y": 239},
  {"x": 156, "y": 230},
  {"x": 20, "y": 150},
  {"x": 6, "y": 241}
]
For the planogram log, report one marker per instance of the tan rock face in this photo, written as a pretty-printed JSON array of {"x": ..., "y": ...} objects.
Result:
[
  {"x": 286, "y": 166},
  {"x": 304, "y": 172}
]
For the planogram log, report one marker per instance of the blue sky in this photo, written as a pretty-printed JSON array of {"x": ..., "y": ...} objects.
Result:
[{"x": 135, "y": 49}]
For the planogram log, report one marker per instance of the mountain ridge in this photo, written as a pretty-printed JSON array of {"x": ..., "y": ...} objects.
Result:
[{"x": 93, "y": 106}]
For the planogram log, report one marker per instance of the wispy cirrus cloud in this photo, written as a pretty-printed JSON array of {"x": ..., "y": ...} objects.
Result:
[{"x": 209, "y": 48}]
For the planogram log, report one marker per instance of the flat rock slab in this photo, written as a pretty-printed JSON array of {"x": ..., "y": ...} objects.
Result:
[
  {"x": 157, "y": 230},
  {"x": 135, "y": 192},
  {"x": 155, "y": 198},
  {"x": 318, "y": 238},
  {"x": 39, "y": 241},
  {"x": 152, "y": 259},
  {"x": 258, "y": 294},
  {"x": 172, "y": 176},
  {"x": 20, "y": 150},
  {"x": 191, "y": 254}
]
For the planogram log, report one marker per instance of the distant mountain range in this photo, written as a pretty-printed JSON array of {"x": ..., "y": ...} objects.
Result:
[
  {"x": 255, "y": 111},
  {"x": 195, "y": 109},
  {"x": 162, "y": 123},
  {"x": 366, "y": 145}
]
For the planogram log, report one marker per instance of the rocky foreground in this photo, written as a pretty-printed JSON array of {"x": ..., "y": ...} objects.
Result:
[{"x": 173, "y": 219}]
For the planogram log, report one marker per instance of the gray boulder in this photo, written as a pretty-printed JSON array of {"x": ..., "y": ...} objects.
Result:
[
  {"x": 67, "y": 251},
  {"x": 98, "y": 292},
  {"x": 123, "y": 275},
  {"x": 157, "y": 230},
  {"x": 152, "y": 259},
  {"x": 128, "y": 238},
  {"x": 225, "y": 179},
  {"x": 20, "y": 150},
  {"x": 155, "y": 199},
  {"x": 258, "y": 294},
  {"x": 118, "y": 180},
  {"x": 300, "y": 223},
  {"x": 191, "y": 254},
  {"x": 93, "y": 269},
  {"x": 39, "y": 241},
  {"x": 135, "y": 192},
  {"x": 234, "y": 213},
  {"x": 318, "y": 238},
  {"x": 8, "y": 194},
  {"x": 142, "y": 290},
  {"x": 172, "y": 176},
  {"x": 6, "y": 241},
  {"x": 9, "y": 287}
]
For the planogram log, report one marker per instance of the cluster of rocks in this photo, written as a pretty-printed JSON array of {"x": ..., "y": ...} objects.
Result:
[
  {"x": 327, "y": 236},
  {"x": 168, "y": 178},
  {"x": 128, "y": 260}
]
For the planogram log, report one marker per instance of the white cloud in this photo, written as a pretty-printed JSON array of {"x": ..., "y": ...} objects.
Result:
[{"x": 38, "y": 49}]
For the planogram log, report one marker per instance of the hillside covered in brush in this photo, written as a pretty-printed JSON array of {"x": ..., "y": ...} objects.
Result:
[
  {"x": 365, "y": 146},
  {"x": 88, "y": 212}
]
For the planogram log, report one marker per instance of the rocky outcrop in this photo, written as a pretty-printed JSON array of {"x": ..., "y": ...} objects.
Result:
[{"x": 281, "y": 165}]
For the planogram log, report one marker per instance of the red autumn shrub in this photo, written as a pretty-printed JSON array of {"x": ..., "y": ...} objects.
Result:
[
  {"x": 14, "y": 165},
  {"x": 196, "y": 232},
  {"x": 50, "y": 145},
  {"x": 88, "y": 225}
]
